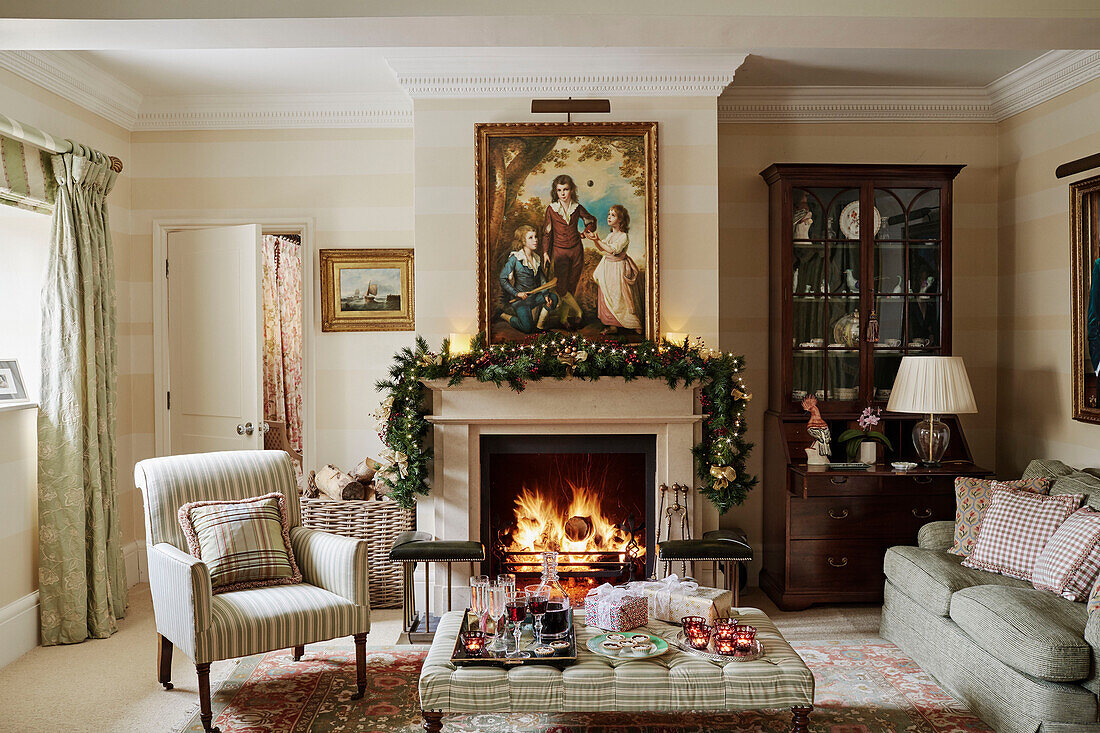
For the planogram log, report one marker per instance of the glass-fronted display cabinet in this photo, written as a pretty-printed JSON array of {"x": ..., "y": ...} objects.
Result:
[{"x": 861, "y": 276}]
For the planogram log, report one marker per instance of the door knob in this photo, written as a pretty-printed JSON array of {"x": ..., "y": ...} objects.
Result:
[
  {"x": 246, "y": 429},
  {"x": 240, "y": 429},
  {"x": 265, "y": 427}
]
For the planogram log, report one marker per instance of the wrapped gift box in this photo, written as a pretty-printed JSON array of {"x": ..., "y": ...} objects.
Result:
[
  {"x": 671, "y": 599},
  {"x": 614, "y": 609}
]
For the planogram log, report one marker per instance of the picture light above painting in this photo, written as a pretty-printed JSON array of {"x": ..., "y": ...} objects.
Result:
[{"x": 367, "y": 290}]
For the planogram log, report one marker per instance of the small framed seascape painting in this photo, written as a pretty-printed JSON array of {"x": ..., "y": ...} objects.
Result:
[
  {"x": 12, "y": 388},
  {"x": 367, "y": 290},
  {"x": 1085, "y": 286},
  {"x": 567, "y": 229}
]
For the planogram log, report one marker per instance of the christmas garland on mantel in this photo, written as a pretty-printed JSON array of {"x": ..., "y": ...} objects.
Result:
[{"x": 719, "y": 457}]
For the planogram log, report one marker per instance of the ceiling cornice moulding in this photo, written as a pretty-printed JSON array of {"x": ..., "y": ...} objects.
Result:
[
  {"x": 1039, "y": 80},
  {"x": 566, "y": 71},
  {"x": 274, "y": 111},
  {"x": 74, "y": 79},
  {"x": 854, "y": 104}
]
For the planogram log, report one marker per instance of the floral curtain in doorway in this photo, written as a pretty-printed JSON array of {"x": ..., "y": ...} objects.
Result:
[
  {"x": 81, "y": 573},
  {"x": 282, "y": 286}
]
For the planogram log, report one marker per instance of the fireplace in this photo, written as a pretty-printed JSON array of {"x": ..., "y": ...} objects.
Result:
[{"x": 587, "y": 497}]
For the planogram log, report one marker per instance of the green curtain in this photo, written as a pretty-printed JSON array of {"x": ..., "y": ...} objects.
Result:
[{"x": 81, "y": 574}]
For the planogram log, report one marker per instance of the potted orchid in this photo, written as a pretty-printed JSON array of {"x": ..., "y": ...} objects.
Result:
[{"x": 863, "y": 441}]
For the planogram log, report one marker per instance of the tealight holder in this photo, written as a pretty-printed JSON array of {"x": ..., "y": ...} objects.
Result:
[
  {"x": 698, "y": 636},
  {"x": 726, "y": 647},
  {"x": 473, "y": 642},
  {"x": 744, "y": 636},
  {"x": 725, "y": 628}
]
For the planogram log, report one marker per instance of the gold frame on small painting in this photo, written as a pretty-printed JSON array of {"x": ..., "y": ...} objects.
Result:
[
  {"x": 1084, "y": 221},
  {"x": 333, "y": 315}
]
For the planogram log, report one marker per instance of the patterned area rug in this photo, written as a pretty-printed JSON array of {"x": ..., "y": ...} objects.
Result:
[{"x": 861, "y": 688}]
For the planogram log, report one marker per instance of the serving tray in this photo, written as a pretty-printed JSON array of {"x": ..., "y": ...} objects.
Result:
[
  {"x": 561, "y": 660},
  {"x": 711, "y": 655}
]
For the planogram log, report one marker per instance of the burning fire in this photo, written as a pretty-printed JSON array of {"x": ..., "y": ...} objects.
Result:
[{"x": 541, "y": 524}]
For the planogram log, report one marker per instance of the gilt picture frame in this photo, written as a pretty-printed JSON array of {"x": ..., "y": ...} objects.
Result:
[
  {"x": 1084, "y": 213},
  {"x": 567, "y": 229},
  {"x": 367, "y": 290}
]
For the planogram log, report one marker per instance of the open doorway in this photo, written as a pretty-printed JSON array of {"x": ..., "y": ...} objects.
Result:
[
  {"x": 283, "y": 330},
  {"x": 233, "y": 337}
]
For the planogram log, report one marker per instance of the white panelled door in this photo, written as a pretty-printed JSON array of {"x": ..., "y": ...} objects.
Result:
[{"x": 215, "y": 338}]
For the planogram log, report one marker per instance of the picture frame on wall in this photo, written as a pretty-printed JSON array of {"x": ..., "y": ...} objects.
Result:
[
  {"x": 567, "y": 229},
  {"x": 367, "y": 290},
  {"x": 12, "y": 388},
  {"x": 1085, "y": 286}
]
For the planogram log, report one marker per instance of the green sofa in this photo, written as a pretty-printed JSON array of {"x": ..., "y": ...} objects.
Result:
[{"x": 1024, "y": 660}]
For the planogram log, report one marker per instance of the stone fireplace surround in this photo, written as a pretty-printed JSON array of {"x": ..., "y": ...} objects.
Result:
[{"x": 461, "y": 414}]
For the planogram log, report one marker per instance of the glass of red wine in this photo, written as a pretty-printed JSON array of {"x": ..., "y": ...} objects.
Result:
[
  {"x": 515, "y": 607},
  {"x": 538, "y": 598}
]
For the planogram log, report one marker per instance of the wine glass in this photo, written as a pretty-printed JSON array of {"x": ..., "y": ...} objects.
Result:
[
  {"x": 478, "y": 598},
  {"x": 497, "y": 596},
  {"x": 515, "y": 605},
  {"x": 538, "y": 597}
]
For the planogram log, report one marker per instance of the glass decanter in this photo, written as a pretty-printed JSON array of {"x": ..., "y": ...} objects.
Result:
[{"x": 559, "y": 614}]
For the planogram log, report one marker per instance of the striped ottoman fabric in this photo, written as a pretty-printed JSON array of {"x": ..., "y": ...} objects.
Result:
[{"x": 674, "y": 681}]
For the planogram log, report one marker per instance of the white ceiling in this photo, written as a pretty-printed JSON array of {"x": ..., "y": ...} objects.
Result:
[{"x": 174, "y": 73}]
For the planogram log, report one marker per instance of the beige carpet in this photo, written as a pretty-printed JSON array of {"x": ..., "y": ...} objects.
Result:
[{"x": 110, "y": 685}]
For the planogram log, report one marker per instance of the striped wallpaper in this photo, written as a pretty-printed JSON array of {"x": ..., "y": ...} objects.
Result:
[
  {"x": 746, "y": 149},
  {"x": 357, "y": 186},
  {"x": 1033, "y": 352}
]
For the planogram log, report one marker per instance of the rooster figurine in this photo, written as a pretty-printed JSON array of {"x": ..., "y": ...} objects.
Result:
[{"x": 818, "y": 430}]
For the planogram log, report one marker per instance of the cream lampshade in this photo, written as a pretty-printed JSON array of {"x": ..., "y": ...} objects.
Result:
[{"x": 932, "y": 385}]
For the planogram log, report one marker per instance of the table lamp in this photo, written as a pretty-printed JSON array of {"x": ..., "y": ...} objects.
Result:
[{"x": 932, "y": 385}]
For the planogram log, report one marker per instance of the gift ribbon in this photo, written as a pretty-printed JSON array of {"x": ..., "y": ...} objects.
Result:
[
  {"x": 672, "y": 585},
  {"x": 609, "y": 593}
]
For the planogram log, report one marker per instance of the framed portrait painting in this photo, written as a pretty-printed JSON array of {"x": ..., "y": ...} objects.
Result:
[
  {"x": 1085, "y": 286},
  {"x": 567, "y": 229},
  {"x": 367, "y": 290}
]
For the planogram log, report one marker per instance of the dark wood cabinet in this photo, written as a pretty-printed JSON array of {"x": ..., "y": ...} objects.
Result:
[{"x": 851, "y": 243}]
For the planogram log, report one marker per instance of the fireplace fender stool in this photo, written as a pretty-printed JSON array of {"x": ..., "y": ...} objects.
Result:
[
  {"x": 409, "y": 548},
  {"x": 728, "y": 547}
]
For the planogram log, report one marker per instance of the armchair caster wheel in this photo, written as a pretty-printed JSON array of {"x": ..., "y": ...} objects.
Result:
[{"x": 168, "y": 685}]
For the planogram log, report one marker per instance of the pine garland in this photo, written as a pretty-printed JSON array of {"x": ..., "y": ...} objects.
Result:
[{"x": 719, "y": 457}]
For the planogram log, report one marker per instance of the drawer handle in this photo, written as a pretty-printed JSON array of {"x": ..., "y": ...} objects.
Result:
[
  {"x": 838, "y": 480},
  {"x": 835, "y": 564},
  {"x": 922, "y": 514},
  {"x": 843, "y": 513},
  {"x": 923, "y": 479}
]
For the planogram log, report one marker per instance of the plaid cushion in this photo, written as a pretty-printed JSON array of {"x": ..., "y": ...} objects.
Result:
[
  {"x": 1015, "y": 530},
  {"x": 971, "y": 499},
  {"x": 1070, "y": 563},
  {"x": 245, "y": 543}
]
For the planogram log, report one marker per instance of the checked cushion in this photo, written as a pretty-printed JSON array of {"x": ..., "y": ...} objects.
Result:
[
  {"x": 1070, "y": 563},
  {"x": 1016, "y": 528},
  {"x": 244, "y": 543},
  {"x": 972, "y": 497}
]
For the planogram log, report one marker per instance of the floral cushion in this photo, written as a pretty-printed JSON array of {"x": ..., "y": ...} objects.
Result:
[
  {"x": 971, "y": 499},
  {"x": 1094, "y": 597},
  {"x": 1016, "y": 528},
  {"x": 244, "y": 543},
  {"x": 1070, "y": 563}
]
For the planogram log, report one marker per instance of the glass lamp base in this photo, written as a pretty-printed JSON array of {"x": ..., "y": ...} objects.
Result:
[{"x": 930, "y": 438}]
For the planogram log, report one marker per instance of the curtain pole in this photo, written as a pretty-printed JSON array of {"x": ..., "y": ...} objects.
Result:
[{"x": 44, "y": 140}]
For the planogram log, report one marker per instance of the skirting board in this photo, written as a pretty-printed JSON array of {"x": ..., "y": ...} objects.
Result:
[
  {"x": 18, "y": 628},
  {"x": 19, "y": 619}
]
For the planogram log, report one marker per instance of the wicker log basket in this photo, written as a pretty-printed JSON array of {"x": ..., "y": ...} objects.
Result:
[{"x": 377, "y": 521}]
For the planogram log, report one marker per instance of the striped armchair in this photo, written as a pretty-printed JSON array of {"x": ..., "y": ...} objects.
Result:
[{"x": 332, "y": 600}]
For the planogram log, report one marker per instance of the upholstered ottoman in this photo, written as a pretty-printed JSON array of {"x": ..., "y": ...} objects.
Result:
[{"x": 674, "y": 681}]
